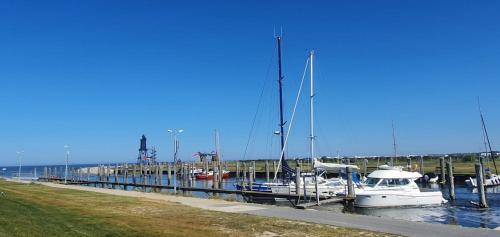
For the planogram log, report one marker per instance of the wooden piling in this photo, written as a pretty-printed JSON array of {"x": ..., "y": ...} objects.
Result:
[
  {"x": 350, "y": 187},
  {"x": 125, "y": 176},
  {"x": 442, "y": 173},
  {"x": 160, "y": 174},
  {"x": 480, "y": 186},
  {"x": 253, "y": 170},
  {"x": 169, "y": 174},
  {"x": 422, "y": 170},
  {"x": 267, "y": 170},
  {"x": 297, "y": 183},
  {"x": 244, "y": 174},
  {"x": 365, "y": 167},
  {"x": 237, "y": 171},
  {"x": 108, "y": 172},
  {"x": 134, "y": 176},
  {"x": 250, "y": 175},
  {"x": 451, "y": 182}
]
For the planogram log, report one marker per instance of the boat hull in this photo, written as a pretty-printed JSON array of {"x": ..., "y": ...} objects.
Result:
[
  {"x": 203, "y": 176},
  {"x": 488, "y": 182},
  {"x": 381, "y": 199},
  {"x": 324, "y": 192}
]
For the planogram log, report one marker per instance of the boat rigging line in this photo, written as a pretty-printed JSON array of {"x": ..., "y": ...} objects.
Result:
[{"x": 291, "y": 119}]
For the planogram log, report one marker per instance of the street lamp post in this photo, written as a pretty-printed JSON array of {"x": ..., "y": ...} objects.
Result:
[
  {"x": 176, "y": 151},
  {"x": 66, "y": 169},
  {"x": 20, "y": 156}
]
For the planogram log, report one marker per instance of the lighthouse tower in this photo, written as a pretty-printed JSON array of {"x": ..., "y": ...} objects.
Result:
[
  {"x": 146, "y": 157},
  {"x": 143, "y": 152}
]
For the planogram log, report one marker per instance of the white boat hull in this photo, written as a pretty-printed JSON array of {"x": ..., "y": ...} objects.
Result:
[
  {"x": 324, "y": 191},
  {"x": 488, "y": 182},
  {"x": 393, "y": 199}
]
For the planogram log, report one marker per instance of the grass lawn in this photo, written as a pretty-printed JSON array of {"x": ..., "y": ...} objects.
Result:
[{"x": 37, "y": 210}]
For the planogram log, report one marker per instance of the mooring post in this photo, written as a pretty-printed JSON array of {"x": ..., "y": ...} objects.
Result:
[
  {"x": 169, "y": 174},
  {"x": 297, "y": 183},
  {"x": 365, "y": 167},
  {"x": 250, "y": 175},
  {"x": 215, "y": 177},
  {"x": 254, "y": 171},
  {"x": 134, "y": 176},
  {"x": 480, "y": 186},
  {"x": 237, "y": 171},
  {"x": 116, "y": 175},
  {"x": 451, "y": 182},
  {"x": 442, "y": 173},
  {"x": 267, "y": 170},
  {"x": 143, "y": 177},
  {"x": 220, "y": 173},
  {"x": 350, "y": 187},
  {"x": 160, "y": 174},
  {"x": 244, "y": 181},
  {"x": 125, "y": 176},
  {"x": 108, "y": 173},
  {"x": 422, "y": 165}
]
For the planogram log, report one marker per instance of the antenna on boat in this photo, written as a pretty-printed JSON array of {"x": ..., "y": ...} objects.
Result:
[{"x": 485, "y": 133}]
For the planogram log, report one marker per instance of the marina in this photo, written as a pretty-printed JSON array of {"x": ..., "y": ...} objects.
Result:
[
  {"x": 255, "y": 119},
  {"x": 455, "y": 212}
]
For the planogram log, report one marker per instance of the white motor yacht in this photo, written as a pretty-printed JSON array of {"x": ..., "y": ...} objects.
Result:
[{"x": 394, "y": 187}]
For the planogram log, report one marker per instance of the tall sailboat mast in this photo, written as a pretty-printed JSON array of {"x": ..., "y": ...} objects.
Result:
[
  {"x": 311, "y": 102},
  {"x": 492, "y": 155},
  {"x": 280, "y": 82},
  {"x": 311, "y": 114}
]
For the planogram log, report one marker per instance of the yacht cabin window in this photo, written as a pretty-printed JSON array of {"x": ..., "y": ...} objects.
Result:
[
  {"x": 371, "y": 182},
  {"x": 394, "y": 182}
]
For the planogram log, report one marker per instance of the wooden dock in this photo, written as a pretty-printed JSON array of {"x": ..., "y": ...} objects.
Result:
[{"x": 243, "y": 193}]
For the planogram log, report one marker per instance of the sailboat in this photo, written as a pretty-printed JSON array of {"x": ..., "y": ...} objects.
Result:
[
  {"x": 311, "y": 186},
  {"x": 287, "y": 171},
  {"x": 490, "y": 179}
]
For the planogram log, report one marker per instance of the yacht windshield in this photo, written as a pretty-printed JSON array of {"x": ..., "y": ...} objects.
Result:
[{"x": 371, "y": 182}]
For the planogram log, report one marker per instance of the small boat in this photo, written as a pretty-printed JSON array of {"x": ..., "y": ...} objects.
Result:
[
  {"x": 196, "y": 171},
  {"x": 210, "y": 175},
  {"x": 490, "y": 180},
  {"x": 392, "y": 188},
  {"x": 434, "y": 180}
]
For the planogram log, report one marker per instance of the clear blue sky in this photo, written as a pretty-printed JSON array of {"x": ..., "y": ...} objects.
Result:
[{"x": 98, "y": 74}]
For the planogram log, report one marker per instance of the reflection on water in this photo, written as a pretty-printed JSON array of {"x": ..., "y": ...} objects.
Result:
[{"x": 457, "y": 212}]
